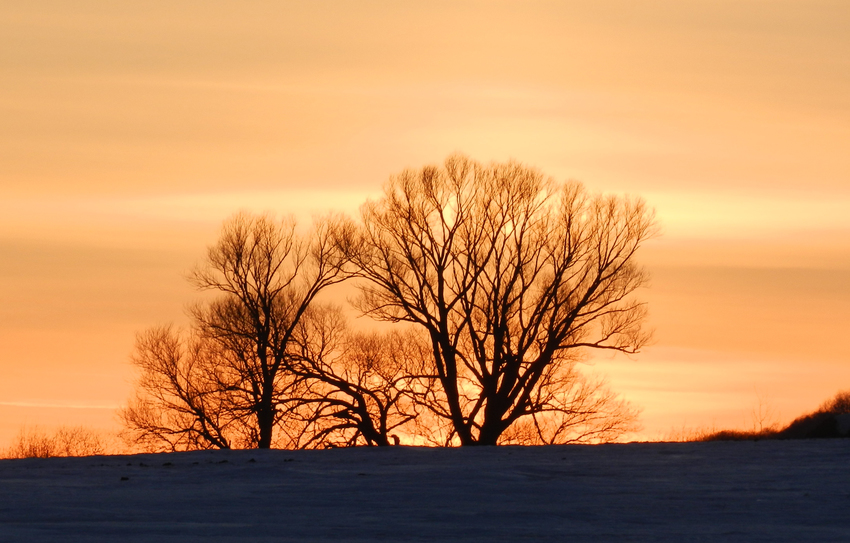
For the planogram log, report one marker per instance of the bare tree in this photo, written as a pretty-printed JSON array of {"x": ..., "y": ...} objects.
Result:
[
  {"x": 763, "y": 415},
  {"x": 359, "y": 387},
  {"x": 179, "y": 403},
  {"x": 513, "y": 278},
  {"x": 231, "y": 378}
]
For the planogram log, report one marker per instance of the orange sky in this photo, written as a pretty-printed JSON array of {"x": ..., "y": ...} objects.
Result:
[{"x": 128, "y": 131}]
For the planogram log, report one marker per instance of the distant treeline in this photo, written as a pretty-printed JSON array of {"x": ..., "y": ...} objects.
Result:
[{"x": 831, "y": 419}]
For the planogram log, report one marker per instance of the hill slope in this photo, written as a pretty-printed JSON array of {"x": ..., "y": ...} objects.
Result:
[{"x": 720, "y": 491}]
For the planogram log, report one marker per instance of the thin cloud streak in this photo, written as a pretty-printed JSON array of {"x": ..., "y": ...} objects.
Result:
[{"x": 54, "y": 405}]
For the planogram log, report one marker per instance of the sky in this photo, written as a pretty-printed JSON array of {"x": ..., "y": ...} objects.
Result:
[{"x": 130, "y": 131}]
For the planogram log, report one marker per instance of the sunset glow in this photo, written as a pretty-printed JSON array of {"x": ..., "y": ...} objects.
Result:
[{"x": 129, "y": 132}]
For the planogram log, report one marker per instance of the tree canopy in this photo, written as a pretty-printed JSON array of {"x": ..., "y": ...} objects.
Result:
[{"x": 513, "y": 277}]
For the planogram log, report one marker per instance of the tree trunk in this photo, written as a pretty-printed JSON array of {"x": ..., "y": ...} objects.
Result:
[
  {"x": 489, "y": 434},
  {"x": 265, "y": 422},
  {"x": 493, "y": 424}
]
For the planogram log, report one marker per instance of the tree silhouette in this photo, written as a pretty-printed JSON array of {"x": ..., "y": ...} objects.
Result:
[
  {"x": 506, "y": 280},
  {"x": 231, "y": 379},
  {"x": 179, "y": 403},
  {"x": 358, "y": 387},
  {"x": 513, "y": 278}
]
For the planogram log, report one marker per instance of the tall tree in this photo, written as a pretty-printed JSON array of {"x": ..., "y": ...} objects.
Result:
[
  {"x": 513, "y": 277},
  {"x": 234, "y": 376}
]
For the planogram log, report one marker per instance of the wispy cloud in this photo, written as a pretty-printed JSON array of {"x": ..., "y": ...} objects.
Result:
[{"x": 58, "y": 405}]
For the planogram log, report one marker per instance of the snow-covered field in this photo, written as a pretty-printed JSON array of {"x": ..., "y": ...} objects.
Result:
[{"x": 743, "y": 491}]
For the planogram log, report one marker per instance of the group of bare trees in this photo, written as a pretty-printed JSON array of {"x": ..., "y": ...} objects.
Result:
[{"x": 498, "y": 282}]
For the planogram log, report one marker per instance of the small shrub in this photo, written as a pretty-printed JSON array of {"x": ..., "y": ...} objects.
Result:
[
  {"x": 738, "y": 435},
  {"x": 35, "y": 442},
  {"x": 30, "y": 443}
]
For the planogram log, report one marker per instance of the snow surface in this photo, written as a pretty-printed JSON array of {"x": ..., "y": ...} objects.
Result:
[{"x": 722, "y": 491}]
